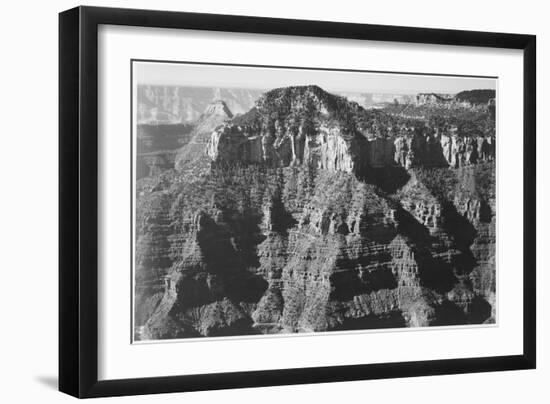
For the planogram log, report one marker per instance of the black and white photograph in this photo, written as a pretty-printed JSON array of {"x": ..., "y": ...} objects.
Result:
[{"x": 277, "y": 200}]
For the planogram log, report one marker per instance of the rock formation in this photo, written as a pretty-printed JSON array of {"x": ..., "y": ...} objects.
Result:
[
  {"x": 191, "y": 156},
  {"x": 330, "y": 138},
  {"x": 276, "y": 221},
  {"x": 293, "y": 126}
]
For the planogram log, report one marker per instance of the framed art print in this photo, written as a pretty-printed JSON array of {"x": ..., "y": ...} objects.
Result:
[{"x": 248, "y": 201}]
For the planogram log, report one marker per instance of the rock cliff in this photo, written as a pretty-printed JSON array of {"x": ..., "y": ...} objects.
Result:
[
  {"x": 305, "y": 125},
  {"x": 192, "y": 155},
  {"x": 294, "y": 126},
  {"x": 278, "y": 221}
]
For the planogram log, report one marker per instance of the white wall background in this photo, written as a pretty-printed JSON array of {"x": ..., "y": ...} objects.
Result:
[{"x": 28, "y": 200}]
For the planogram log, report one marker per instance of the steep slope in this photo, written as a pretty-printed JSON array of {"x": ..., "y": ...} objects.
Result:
[{"x": 193, "y": 155}]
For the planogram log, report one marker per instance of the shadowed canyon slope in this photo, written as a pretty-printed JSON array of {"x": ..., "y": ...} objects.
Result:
[{"x": 309, "y": 213}]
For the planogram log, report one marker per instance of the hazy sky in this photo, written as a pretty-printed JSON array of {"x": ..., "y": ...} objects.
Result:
[{"x": 199, "y": 75}]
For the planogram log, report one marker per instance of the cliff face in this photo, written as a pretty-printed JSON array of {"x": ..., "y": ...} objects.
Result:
[
  {"x": 192, "y": 155},
  {"x": 290, "y": 127},
  {"x": 443, "y": 150},
  {"x": 325, "y": 148},
  {"x": 281, "y": 230}
]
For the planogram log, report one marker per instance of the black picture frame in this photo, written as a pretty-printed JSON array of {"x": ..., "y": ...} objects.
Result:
[{"x": 78, "y": 200}]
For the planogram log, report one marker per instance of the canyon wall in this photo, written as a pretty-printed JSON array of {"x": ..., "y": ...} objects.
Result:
[
  {"x": 327, "y": 147},
  {"x": 269, "y": 223},
  {"x": 298, "y": 249}
]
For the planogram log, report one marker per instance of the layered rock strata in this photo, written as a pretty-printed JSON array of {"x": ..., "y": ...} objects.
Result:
[
  {"x": 303, "y": 125},
  {"x": 268, "y": 225},
  {"x": 328, "y": 148}
]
